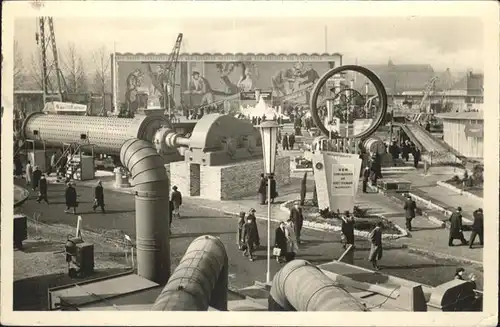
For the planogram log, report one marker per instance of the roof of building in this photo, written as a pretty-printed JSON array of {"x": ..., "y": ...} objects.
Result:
[
  {"x": 217, "y": 56},
  {"x": 467, "y": 115}
]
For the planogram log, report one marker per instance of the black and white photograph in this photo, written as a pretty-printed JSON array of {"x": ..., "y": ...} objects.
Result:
[{"x": 247, "y": 156}]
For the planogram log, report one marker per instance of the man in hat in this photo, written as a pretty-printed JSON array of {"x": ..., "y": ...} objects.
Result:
[
  {"x": 200, "y": 86},
  {"x": 98, "y": 197},
  {"x": 477, "y": 227},
  {"x": 298, "y": 219},
  {"x": 176, "y": 199},
  {"x": 252, "y": 219},
  {"x": 71, "y": 198},
  {"x": 410, "y": 208},
  {"x": 37, "y": 174},
  {"x": 456, "y": 228},
  {"x": 42, "y": 195}
]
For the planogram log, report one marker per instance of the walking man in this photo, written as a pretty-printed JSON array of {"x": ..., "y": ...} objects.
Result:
[
  {"x": 176, "y": 199},
  {"x": 477, "y": 228},
  {"x": 42, "y": 195},
  {"x": 348, "y": 228},
  {"x": 250, "y": 235},
  {"x": 37, "y": 174},
  {"x": 280, "y": 242},
  {"x": 410, "y": 208},
  {"x": 262, "y": 189},
  {"x": 284, "y": 142},
  {"x": 71, "y": 197},
  {"x": 291, "y": 141},
  {"x": 98, "y": 197},
  {"x": 298, "y": 219},
  {"x": 456, "y": 231},
  {"x": 376, "y": 245}
]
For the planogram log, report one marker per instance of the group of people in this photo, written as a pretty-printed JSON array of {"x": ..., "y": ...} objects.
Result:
[
  {"x": 404, "y": 150},
  {"x": 457, "y": 228},
  {"x": 286, "y": 240},
  {"x": 287, "y": 142},
  {"x": 263, "y": 188}
]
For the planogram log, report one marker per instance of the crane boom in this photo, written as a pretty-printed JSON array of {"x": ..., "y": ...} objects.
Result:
[{"x": 46, "y": 39}]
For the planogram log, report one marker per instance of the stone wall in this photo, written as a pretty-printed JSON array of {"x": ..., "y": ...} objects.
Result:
[
  {"x": 240, "y": 179},
  {"x": 226, "y": 182}
]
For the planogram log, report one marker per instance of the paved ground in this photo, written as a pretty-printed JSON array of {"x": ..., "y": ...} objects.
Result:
[{"x": 319, "y": 246}]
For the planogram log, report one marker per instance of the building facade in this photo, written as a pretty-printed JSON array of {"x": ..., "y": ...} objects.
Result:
[
  {"x": 464, "y": 132},
  {"x": 206, "y": 78}
]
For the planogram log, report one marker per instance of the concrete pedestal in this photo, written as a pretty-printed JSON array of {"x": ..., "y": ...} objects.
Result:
[{"x": 226, "y": 182}]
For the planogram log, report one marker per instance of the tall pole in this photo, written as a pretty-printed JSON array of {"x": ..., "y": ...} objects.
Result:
[
  {"x": 268, "y": 273},
  {"x": 326, "y": 39}
]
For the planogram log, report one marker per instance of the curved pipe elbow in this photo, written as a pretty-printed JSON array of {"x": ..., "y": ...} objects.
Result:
[
  {"x": 145, "y": 165},
  {"x": 199, "y": 281},
  {"x": 300, "y": 286}
]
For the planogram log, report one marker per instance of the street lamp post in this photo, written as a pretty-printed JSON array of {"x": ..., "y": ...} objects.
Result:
[{"x": 269, "y": 135}]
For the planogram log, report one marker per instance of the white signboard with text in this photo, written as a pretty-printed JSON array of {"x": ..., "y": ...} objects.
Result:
[{"x": 361, "y": 125}]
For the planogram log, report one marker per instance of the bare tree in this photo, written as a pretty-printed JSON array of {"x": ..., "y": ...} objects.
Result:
[
  {"x": 74, "y": 71},
  {"x": 102, "y": 79},
  {"x": 19, "y": 69},
  {"x": 35, "y": 71}
]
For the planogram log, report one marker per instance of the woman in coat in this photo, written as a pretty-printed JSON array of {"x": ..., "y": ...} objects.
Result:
[
  {"x": 291, "y": 241},
  {"x": 239, "y": 232},
  {"x": 70, "y": 195},
  {"x": 376, "y": 245},
  {"x": 280, "y": 241}
]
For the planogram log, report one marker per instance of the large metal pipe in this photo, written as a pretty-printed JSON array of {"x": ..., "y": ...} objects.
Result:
[
  {"x": 199, "y": 281},
  {"x": 107, "y": 134},
  {"x": 151, "y": 208},
  {"x": 300, "y": 286}
]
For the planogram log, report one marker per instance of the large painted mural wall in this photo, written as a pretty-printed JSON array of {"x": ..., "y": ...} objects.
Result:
[{"x": 201, "y": 82}]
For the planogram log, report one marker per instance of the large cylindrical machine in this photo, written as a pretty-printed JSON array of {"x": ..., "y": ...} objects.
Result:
[
  {"x": 106, "y": 134},
  {"x": 199, "y": 281},
  {"x": 151, "y": 208},
  {"x": 300, "y": 286}
]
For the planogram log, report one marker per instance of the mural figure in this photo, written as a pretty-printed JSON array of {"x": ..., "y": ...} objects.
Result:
[
  {"x": 225, "y": 70},
  {"x": 200, "y": 87},
  {"x": 159, "y": 79},
  {"x": 245, "y": 84},
  {"x": 293, "y": 79},
  {"x": 134, "y": 81}
]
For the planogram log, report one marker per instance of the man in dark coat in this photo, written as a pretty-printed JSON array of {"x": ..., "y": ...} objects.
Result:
[
  {"x": 410, "y": 208},
  {"x": 18, "y": 165},
  {"x": 456, "y": 231},
  {"x": 176, "y": 198},
  {"x": 71, "y": 196},
  {"x": 297, "y": 219},
  {"x": 366, "y": 177},
  {"x": 291, "y": 140},
  {"x": 42, "y": 195},
  {"x": 284, "y": 142},
  {"x": 416, "y": 157},
  {"x": 262, "y": 189},
  {"x": 280, "y": 241},
  {"x": 250, "y": 235},
  {"x": 98, "y": 197},
  {"x": 477, "y": 228},
  {"x": 274, "y": 194},
  {"x": 251, "y": 214},
  {"x": 376, "y": 245},
  {"x": 348, "y": 228},
  {"x": 37, "y": 174}
]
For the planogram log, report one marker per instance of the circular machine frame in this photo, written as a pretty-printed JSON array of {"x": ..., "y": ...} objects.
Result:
[{"x": 379, "y": 87}]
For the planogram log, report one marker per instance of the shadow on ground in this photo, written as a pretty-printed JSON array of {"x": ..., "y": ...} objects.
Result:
[{"x": 30, "y": 294}]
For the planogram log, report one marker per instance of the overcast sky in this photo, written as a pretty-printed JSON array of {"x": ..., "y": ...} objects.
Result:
[{"x": 454, "y": 42}]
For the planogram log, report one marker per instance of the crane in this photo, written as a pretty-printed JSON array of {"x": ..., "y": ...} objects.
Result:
[
  {"x": 46, "y": 41},
  {"x": 428, "y": 89},
  {"x": 164, "y": 77}
]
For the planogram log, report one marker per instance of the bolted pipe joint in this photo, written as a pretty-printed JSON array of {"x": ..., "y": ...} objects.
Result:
[
  {"x": 200, "y": 280},
  {"x": 300, "y": 286},
  {"x": 151, "y": 186}
]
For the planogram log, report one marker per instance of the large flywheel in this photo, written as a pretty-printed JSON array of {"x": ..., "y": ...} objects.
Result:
[{"x": 349, "y": 105}]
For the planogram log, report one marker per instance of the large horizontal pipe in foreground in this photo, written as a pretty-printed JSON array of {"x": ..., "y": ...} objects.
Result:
[
  {"x": 151, "y": 187},
  {"x": 199, "y": 281},
  {"x": 106, "y": 134},
  {"x": 300, "y": 286}
]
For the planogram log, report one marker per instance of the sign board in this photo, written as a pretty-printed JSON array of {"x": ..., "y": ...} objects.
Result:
[
  {"x": 337, "y": 179},
  {"x": 474, "y": 130},
  {"x": 361, "y": 125},
  {"x": 245, "y": 96},
  {"x": 64, "y": 107}
]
